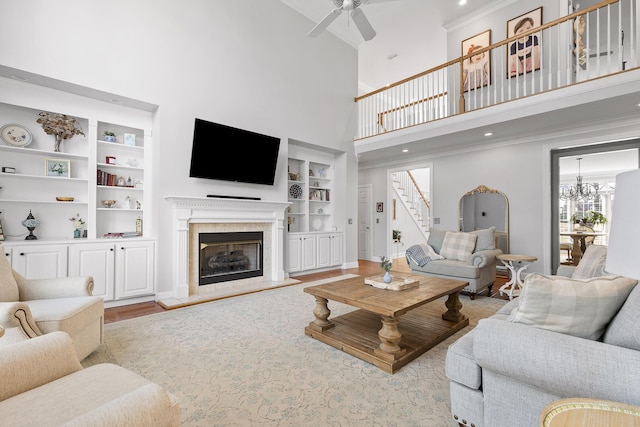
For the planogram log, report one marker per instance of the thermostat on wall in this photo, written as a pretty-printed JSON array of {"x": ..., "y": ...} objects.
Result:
[{"x": 7, "y": 169}]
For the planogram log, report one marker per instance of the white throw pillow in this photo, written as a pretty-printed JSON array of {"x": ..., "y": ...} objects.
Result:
[
  {"x": 578, "y": 307},
  {"x": 458, "y": 245}
]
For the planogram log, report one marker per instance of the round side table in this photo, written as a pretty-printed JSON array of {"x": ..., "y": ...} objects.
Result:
[{"x": 516, "y": 265}]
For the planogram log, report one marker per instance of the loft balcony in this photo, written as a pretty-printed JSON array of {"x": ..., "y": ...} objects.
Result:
[{"x": 578, "y": 70}]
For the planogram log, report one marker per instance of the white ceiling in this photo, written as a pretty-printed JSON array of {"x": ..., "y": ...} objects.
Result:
[{"x": 379, "y": 14}]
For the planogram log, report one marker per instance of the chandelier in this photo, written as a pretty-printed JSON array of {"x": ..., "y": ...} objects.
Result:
[{"x": 579, "y": 191}]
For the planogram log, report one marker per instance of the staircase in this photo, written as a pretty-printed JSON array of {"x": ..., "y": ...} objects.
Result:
[{"x": 413, "y": 199}]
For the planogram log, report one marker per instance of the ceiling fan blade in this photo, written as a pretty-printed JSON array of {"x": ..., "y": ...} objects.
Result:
[
  {"x": 315, "y": 31},
  {"x": 363, "y": 24},
  {"x": 376, "y": 1}
]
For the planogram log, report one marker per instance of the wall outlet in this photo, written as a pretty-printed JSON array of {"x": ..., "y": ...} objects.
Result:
[
  {"x": 436, "y": 220},
  {"x": 350, "y": 221}
]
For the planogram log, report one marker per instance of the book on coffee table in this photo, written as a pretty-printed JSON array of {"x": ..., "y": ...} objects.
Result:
[{"x": 399, "y": 282}]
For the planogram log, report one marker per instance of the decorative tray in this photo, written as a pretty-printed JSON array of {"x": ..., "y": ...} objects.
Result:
[{"x": 398, "y": 283}]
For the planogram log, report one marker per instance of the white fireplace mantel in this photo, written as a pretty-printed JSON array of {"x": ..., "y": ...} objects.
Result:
[{"x": 188, "y": 210}]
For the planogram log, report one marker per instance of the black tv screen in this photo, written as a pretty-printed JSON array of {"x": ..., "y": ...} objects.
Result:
[{"x": 230, "y": 154}]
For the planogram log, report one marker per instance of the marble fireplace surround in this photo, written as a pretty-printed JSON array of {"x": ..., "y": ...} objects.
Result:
[{"x": 193, "y": 215}]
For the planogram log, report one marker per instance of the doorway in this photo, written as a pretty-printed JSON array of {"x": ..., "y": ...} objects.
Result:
[
  {"x": 595, "y": 172},
  {"x": 365, "y": 218},
  {"x": 409, "y": 196}
]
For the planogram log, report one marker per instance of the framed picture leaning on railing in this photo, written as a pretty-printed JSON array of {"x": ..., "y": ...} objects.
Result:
[
  {"x": 476, "y": 70},
  {"x": 524, "y": 53}
]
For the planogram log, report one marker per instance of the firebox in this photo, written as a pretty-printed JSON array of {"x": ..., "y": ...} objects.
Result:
[{"x": 230, "y": 256}]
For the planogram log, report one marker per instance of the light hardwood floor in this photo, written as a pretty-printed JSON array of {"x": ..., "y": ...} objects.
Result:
[{"x": 366, "y": 268}]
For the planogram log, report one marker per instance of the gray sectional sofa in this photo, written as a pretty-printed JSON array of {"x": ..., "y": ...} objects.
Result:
[
  {"x": 504, "y": 372},
  {"x": 477, "y": 266}
]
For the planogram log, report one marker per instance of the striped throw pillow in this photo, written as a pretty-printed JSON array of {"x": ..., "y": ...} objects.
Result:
[
  {"x": 578, "y": 307},
  {"x": 458, "y": 246}
]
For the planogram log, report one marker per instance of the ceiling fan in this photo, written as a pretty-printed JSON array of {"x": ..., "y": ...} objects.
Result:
[{"x": 361, "y": 21}]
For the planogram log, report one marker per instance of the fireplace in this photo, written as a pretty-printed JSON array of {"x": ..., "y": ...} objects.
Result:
[
  {"x": 229, "y": 256},
  {"x": 196, "y": 215}
]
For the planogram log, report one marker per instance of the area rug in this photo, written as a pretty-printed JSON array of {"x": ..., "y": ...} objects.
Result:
[{"x": 245, "y": 361}]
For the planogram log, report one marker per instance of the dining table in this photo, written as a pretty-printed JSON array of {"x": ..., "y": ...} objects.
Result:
[{"x": 579, "y": 242}]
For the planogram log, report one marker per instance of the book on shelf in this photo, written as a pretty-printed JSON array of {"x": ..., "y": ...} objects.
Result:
[{"x": 118, "y": 234}]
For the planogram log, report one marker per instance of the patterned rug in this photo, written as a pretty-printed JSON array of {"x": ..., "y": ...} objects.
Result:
[{"x": 245, "y": 361}]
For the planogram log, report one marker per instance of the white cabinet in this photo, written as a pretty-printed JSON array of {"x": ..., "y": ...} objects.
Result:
[
  {"x": 302, "y": 252},
  {"x": 39, "y": 261},
  {"x": 295, "y": 253},
  {"x": 120, "y": 270},
  {"x": 134, "y": 269},
  {"x": 97, "y": 260},
  {"x": 337, "y": 249},
  {"x": 330, "y": 252},
  {"x": 310, "y": 251},
  {"x": 324, "y": 250}
]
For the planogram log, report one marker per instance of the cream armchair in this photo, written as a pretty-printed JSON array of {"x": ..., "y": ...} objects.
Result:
[
  {"x": 30, "y": 308},
  {"x": 43, "y": 384}
]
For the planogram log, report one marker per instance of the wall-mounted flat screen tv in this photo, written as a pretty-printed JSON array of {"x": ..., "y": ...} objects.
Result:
[{"x": 230, "y": 154}]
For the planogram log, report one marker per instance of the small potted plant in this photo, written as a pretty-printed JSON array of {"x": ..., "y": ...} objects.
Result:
[
  {"x": 77, "y": 222},
  {"x": 386, "y": 265},
  {"x": 109, "y": 136}
]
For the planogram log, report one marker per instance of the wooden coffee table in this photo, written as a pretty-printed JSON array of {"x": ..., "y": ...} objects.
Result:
[{"x": 392, "y": 327}]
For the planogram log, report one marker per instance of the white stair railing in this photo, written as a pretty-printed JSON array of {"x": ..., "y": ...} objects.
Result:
[
  {"x": 414, "y": 199},
  {"x": 598, "y": 41}
]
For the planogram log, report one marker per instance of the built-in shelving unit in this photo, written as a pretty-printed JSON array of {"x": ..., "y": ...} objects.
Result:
[
  {"x": 314, "y": 241},
  {"x": 309, "y": 187},
  {"x": 123, "y": 269}
]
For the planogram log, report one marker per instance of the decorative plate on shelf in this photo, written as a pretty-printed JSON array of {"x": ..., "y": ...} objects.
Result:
[
  {"x": 295, "y": 191},
  {"x": 15, "y": 135}
]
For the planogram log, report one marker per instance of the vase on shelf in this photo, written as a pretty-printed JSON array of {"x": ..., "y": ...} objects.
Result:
[
  {"x": 387, "y": 277},
  {"x": 77, "y": 233},
  {"x": 57, "y": 143}
]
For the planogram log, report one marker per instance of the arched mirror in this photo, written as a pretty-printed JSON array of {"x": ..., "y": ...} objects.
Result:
[{"x": 484, "y": 207}]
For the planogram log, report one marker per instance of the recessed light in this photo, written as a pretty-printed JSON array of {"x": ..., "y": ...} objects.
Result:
[
  {"x": 405, "y": 151},
  {"x": 462, "y": 2},
  {"x": 116, "y": 101},
  {"x": 19, "y": 78},
  {"x": 488, "y": 134}
]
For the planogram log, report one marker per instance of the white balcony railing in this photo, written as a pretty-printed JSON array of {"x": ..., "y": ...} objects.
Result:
[{"x": 598, "y": 41}]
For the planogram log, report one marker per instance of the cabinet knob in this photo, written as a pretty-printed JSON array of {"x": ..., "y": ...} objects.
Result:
[
  {"x": 122, "y": 248},
  {"x": 111, "y": 249},
  {"x": 21, "y": 253},
  {"x": 7, "y": 253}
]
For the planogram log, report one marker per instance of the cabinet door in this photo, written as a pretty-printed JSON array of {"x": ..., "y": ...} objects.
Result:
[
  {"x": 337, "y": 249},
  {"x": 295, "y": 253},
  {"x": 309, "y": 252},
  {"x": 40, "y": 262},
  {"x": 134, "y": 269},
  {"x": 96, "y": 260},
  {"x": 324, "y": 250}
]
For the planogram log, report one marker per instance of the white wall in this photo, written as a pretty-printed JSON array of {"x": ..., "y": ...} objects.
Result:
[
  {"x": 520, "y": 169},
  {"x": 418, "y": 40},
  {"x": 244, "y": 64}
]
